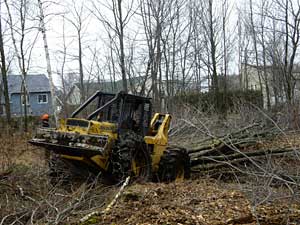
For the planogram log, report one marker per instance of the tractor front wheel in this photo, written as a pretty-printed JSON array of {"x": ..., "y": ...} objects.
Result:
[
  {"x": 174, "y": 165},
  {"x": 130, "y": 157}
]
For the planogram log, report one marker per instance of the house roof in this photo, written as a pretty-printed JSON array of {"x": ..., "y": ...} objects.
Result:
[{"x": 34, "y": 83}]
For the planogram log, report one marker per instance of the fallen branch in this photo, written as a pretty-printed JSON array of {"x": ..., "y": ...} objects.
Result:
[
  {"x": 237, "y": 155},
  {"x": 109, "y": 206},
  {"x": 233, "y": 139},
  {"x": 219, "y": 164}
]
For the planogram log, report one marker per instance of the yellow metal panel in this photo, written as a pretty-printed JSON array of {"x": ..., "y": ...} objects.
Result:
[
  {"x": 100, "y": 161},
  {"x": 62, "y": 124},
  {"x": 158, "y": 138},
  {"x": 77, "y": 158},
  {"x": 95, "y": 128},
  {"x": 157, "y": 153}
]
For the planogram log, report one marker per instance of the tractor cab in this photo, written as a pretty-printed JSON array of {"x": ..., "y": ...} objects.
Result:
[{"x": 122, "y": 111}]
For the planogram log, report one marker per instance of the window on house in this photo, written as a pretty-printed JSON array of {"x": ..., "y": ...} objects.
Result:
[{"x": 42, "y": 99}]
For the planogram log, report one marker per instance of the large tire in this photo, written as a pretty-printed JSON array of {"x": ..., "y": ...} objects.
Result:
[
  {"x": 130, "y": 157},
  {"x": 174, "y": 165}
]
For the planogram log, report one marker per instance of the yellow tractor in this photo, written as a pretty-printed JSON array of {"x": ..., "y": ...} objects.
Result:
[{"x": 118, "y": 138}]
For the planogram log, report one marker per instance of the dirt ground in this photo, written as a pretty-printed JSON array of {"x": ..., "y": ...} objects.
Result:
[
  {"x": 199, "y": 201},
  {"x": 27, "y": 197}
]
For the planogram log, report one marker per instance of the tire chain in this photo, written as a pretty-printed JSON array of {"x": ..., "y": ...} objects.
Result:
[
  {"x": 122, "y": 154},
  {"x": 167, "y": 165}
]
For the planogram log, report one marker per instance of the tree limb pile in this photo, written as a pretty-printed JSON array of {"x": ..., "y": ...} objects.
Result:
[
  {"x": 247, "y": 136},
  {"x": 230, "y": 149},
  {"x": 215, "y": 162}
]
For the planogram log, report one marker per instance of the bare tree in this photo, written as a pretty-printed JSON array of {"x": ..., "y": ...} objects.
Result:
[
  {"x": 263, "y": 46},
  {"x": 274, "y": 53},
  {"x": 120, "y": 31},
  {"x": 211, "y": 26},
  {"x": 116, "y": 29},
  {"x": 24, "y": 51},
  {"x": 152, "y": 15},
  {"x": 292, "y": 38},
  {"x": 78, "y": 20},
  {"x": 47, "y": 55},
  {"x": 254, "y": 39},
  {"x": 161, "y": 29},
  {"x": 213, "y": 51},
  {"x": 276, "y": 40},
  {"x": 61, "y": 71},
  {"x": 4, "y": 74},
  {"x": 112, "y": 67},
  {"x": 187, "y": 61},
  {"x": 225, "y": 51}
]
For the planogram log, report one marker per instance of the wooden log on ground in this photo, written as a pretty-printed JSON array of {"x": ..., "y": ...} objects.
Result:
[
  {"x": 252, "y": 139},
  {"x": 246, "y": 154},
  {"x": 253, "y": 156},
  {"x": 224, "y": 148}
]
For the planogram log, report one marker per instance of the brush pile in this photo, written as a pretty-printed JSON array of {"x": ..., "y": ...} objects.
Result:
[{"x": 245, "y": 145}]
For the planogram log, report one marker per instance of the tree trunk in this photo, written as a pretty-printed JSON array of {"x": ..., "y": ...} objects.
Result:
[
  {"x": 81, "y": 81},
  {"x": 24, "y": 74},
  {"x": 224, "y": 12},
  {"x": 156, "y": 82},
  {"x": 62, "y": 73},
  {"x": 4, "y": 77},
  {"x": 215, "y": 83},
  {"x": 266, "y": 77},
  {"x": 49, "y": 71},
  {"x": 286, "y": 52},
  {"x": 254, "y": 37},
  {"x": 20, "y": 55},
  {"x": 122, "y": 54}
]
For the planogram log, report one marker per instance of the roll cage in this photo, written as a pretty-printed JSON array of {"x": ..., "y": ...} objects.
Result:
[{"x": 126, "y": 110}]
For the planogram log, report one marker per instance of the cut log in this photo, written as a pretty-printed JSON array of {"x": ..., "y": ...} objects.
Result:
[
  {"x": 255, "y": 155},
  {"x": 229, "y": 140},
  {"x": 243, "y": 154}
]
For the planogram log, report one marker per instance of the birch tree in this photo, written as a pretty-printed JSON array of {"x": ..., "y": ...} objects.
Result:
[
  {"x": 23, "y": 45},
  {"x": 47, "y": 56}
]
